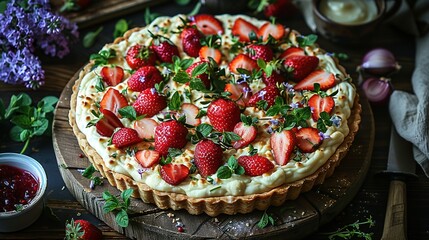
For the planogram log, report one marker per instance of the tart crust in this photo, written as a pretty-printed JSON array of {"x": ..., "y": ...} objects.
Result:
[{"x": 213, "y": 206}]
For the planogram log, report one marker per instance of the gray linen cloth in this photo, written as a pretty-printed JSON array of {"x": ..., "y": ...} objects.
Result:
[{"x": 410, "y": 111}]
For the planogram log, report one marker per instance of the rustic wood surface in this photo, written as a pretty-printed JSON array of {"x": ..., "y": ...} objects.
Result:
[
  {"x": 370, "y": 200},
  {"x": 297, "y": 218}
]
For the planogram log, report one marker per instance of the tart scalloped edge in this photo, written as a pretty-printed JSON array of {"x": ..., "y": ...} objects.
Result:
[{"x": 214, "y": 206}]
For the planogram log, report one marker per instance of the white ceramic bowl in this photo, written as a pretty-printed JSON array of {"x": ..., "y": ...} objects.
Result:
[{"x": 12, "y": 221}]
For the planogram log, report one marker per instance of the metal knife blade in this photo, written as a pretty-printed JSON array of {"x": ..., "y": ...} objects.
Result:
[{"x": 400, "y": 159}]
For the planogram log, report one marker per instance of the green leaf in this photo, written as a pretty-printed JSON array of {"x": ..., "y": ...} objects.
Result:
[
  {"x": 239, "y": 170},
  {"x": 263, "y": 222},
  {"x": 149, "y": 17},
  {"x": 24, "y": 135},
  {"x": 3, "y": 5},
  {"x": 122, "y": 218},
  {"x": 181, "y": 77},
  {"x": 307, "y": 40},
  {"x": 197, "y": 84},
  {"x": 15, "y": 133},
  {"x": 49, "y": 103},
  {"x": 87, "y": 173},
  {"x": 232, "y": 163},
  {"x": 110, "y": 206},
  {"x": 128, "y": 112},
  {"x": 199, "y": 69},
  {"x": 224, "y": 172},
  {"x": 90, "y": 37},
  {"x": 121, "y": 27},
  {"x": 183, "y": 2},
  {"x": 127, "y": 194},
  {"x": 44, "y": 123},
  {"x": 2, "y": 110},
  {"x": 205, "y": 129},
  {"x": 22, "y": 121},
  {"x": 24, "y": 99},
  {"x": 175, "y": 101},
  {"x": 195, "y": 10}
]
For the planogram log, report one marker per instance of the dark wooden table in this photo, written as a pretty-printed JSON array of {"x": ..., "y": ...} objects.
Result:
[{"x": 369, "y": 202}]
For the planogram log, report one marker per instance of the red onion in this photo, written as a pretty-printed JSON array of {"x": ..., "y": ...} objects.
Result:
[
  {"x": 379, "y": 62},
  {"x": 377, "y": 90}
]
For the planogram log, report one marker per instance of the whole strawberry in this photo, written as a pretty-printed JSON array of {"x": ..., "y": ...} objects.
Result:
[
  {"x": 82, "y": 230},
  {"x": 139, "y": 55},
  {"x": 268, "y": 94},
  {"x": 170, "y": 134},
  {"x": 301, "y": 66},
  {"x": 204, "y": 76},
  {"x": 223, "y": 114},
  {"x": 280, "y": 9},
  {"x": 164, "y": 49},
  {"x": 255, "y": 165},
  {"x": 191, "y": 41},
  {"x": 208, "y": 157},
  {"x": 259, "y": 51},
  {"x": 145, "y": 77},
  {"x": 149, "y": 103},
  {"x": 125, "y": 137}
]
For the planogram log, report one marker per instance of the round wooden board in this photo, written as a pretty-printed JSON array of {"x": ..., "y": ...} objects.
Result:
[{"x": 295, "y": 219}]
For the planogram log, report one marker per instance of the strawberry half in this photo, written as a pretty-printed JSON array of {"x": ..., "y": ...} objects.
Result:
[
  {"x": 113, "y": 100},
  {"x": 259, "y": 51},
  {"x": 149, "y": 103},
  {"x": 174, "y": 174},
  {"x": 145, "y": 77},
  {"x": 292, "y": 51},
  {"x": 170, "y": 134},
  {"x": 139, "y": 55},
  {"x": 255, "y": 165},
  {"x": 242, "y": 61},
  {"x": 208, "y": 157},
  {"x": 308, "y": 139},
  {"x": 300, "y": 66},
  {"x": 223, "y": 114},
  {"x": 325, "y": 79},
  {"x": 247, "y": 134},
  {"x": 282, "y": 143},
  {"x": 112, "y": 76},
  {"x": 125, "y": 137},
  {"x": 190, "y": 37},
  {"x": 208, "y": 24},
  {"x": 191, "y": 111},
  {"x": 107, "y": 123},
  {"x": 147, "y": 158},
  {"x": 145, "y": 127},
  {"x": 242, "y": 29},
  {"x": 268, "y": 93},
  {"x": 320, "y": 104},
  {"x": 206, "y": 52},
  {"x": 240, "y": 93},
  {"x": 277, "y": 31}
]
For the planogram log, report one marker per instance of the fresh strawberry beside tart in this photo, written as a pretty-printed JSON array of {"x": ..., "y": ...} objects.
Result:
[{"x": 215, "y": 114}]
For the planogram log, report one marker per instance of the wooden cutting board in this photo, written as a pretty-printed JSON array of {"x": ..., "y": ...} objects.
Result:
[{"x": 295, "y": 219}]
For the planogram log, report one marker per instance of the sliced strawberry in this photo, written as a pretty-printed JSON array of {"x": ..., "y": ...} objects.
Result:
[
  {"x": 113, "y": 100},
  {"x": 292, "y": 51},
  {"x": 206, "y": 52},
  {"x": 223, "y": 114},
  {"x": 277, "y": 31},
  {"x": 145, "y": 127},
  {"x": 145, "y": 77},
  {"x": 174, "y": 174},
  {"x": 240, "y": 93},
  {"x": 325, "y": 79},
  {"x": 147, "y": 158},
  {"x": 268, "y": 93},
  {"x": 208, "y": 24},
  {"x": 191, "y": 111},
  {"x": 149, "y": 103},
  {"x": 190, "y": 38},
  {"x": 260, "y": 51},
  {"x": 247, "y": 134},
  {"x": 112, "y": 76},
  {"x": 125, "y": 137},
  {"x": 320, "y": 104},
  {"x": 301, "y": 66},
  {"x": 255, "y": 165},
  {"x": 242, "y": 29},
  {"x": 107, "y": 123},
  {"x": 139, "y": 55},
  {"x": 242, "y": 61},
  {"x": 282, "y": 143},
  {"x": 308, "y": 139},
  {"x": 208, "y": 157}
]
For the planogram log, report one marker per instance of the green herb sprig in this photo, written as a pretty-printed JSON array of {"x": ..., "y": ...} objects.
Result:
[
  {"x": 113, "y": 204},
  {"x": 265, "y": 220},
  {"x": 352, "y": 231},
  {"x": 28, "y": 121}
]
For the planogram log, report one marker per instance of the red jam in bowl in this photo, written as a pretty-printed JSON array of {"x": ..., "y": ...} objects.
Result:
[{"x": 17, "y": 187}]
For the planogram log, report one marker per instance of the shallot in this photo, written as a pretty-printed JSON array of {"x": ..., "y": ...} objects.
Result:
[
  {"x": 379, "y": 62},
  {"x": 377, "y": 90}
]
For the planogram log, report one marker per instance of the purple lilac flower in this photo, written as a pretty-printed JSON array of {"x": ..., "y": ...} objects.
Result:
[
  {"x": 336, "y": 120},
  {"x": 26, "y": 26},
  {"x": 323, "y": 135},
  {"x": 294, "y": 105}
]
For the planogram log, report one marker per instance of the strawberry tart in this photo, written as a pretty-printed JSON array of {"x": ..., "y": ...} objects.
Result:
[{"x": 215, "y": 114}]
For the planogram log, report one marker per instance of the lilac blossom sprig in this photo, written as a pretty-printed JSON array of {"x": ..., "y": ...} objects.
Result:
[{"x": 29, "y": 25}]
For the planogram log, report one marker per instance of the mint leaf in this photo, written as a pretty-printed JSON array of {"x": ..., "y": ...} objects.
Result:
[
  {"x": 199, "y": 69},
  {"x": 224, "y": 172},
  {"x": 181, "y": 77},
  {"x": 128, "y": 112},
  {"x": 205, "y": 129},
  {"x": 90, "y": 37},
  {"x": 121, "y": 27},
  {"x": 122, "y": 218},
  {"x": 307, "y": 40},
  {"x": 175, "y": 102}
]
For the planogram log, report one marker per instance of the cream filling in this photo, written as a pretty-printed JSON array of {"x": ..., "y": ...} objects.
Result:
[{"x": 198, "y": 186}]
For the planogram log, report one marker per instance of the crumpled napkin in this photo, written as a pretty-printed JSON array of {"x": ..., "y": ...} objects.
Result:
[{"x": 410, "y": 112}]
